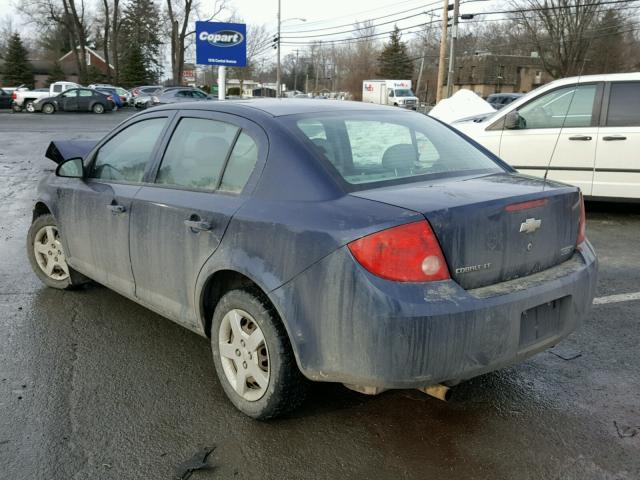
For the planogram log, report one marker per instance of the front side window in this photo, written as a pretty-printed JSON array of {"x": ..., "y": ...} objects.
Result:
[
  {"x": 624, "y": 105},
  {"x": 565, "y": 107},
  {"x": 196, "y": 153},
  {"x": 391, "y": 148},
  {"x": 125, "y": 156}
]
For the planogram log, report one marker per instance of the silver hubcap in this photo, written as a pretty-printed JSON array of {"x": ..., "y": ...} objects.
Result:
[
  {"x": 49, "y": 253},
  {"x": 48, "y": 108},
  {"x": 244, "y": 355},
  {"x": 30, "y": 107}
]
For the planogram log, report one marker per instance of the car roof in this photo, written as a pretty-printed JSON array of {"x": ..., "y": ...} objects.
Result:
[{"x": 277, "y": 107}]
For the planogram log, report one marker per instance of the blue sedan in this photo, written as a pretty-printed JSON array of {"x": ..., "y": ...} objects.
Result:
[{"x": 325, "y": 241}]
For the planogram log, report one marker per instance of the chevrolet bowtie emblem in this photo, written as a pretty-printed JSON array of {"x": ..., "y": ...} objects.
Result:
[{"x": 530, "y": 225}]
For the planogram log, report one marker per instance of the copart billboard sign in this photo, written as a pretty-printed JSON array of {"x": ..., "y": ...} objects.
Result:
[{"x": 223, "y": 44}]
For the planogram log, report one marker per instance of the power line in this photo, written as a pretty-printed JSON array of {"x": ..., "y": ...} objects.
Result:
[{"x": 365, "y": 37}]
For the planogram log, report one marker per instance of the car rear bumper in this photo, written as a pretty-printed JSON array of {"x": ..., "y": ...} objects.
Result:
[{"x": 349, "y": 326}]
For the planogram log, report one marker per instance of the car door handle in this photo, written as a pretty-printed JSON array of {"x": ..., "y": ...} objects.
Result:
[
  {"x": 584, "y": 138},
  {"x": 198, "y": 225},
  {"x": 117, "y": 209},
  {"x": 612, "y": 138}
]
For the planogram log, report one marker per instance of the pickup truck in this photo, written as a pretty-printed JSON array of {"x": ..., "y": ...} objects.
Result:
[{"x": 25, "y": 99}]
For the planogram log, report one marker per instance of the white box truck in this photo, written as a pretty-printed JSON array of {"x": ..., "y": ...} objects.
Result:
[{"x": 389, "y": 92}]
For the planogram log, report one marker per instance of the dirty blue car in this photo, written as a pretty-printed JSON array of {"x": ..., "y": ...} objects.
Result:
[{"x": 324, "y": 241}]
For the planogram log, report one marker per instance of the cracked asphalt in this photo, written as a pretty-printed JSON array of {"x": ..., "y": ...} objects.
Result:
[{"x": 93, "y": 386}]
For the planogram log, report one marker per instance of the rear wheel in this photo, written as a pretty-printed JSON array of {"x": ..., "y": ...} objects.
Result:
[
  {"x": 30, "y": 107},
  {"x": 253, "y": 357},
  {"x": 48, "y": 108},
  {"x": 98, "y": 108}
]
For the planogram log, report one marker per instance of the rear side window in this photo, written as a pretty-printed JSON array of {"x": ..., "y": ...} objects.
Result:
[
  {"x": 125, "y": 156},
  {"x": 196, "y": 153},
  {"x": 85, "y": 93},
  {"x": 393, "y": 147},
  {"x": 241, "y": 163},
  {"x": 624, "y": 105}
]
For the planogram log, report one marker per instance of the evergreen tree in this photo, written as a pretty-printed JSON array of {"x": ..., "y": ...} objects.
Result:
[
  {"x": 56, "y": 74},
  {"x": 140, "y": 42},
  {"x": 393, "y": 62},
  {"x": 134, "y": 69},
  {"x": 17, "y": 69}
]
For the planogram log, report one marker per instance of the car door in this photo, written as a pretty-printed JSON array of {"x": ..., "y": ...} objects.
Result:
[
  {"x": 85, "y": 98},
  {"x": 95, "y": 211},
  {"x": 5, "y": 99},
  {"x": 557, "y": 132},
  {"x": 178, "y": 221},
  {"x": 617, "y": 172},
  {"x": 68, "y": 101}
]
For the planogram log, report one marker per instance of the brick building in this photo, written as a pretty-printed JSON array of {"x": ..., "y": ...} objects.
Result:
[
  {"x": 485, "y": 73},
  {"x": 70, "y": 67}
]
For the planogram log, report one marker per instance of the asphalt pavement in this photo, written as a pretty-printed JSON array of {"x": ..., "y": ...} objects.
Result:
[{"x": 94, "y": 386}]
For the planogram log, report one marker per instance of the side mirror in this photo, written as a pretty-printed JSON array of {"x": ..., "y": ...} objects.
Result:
[
  {"x": 512, "y": 120},
  {"x": 71, "y": 168}
]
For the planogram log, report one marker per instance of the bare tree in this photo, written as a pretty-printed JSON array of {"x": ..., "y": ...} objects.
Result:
[
  {"x": 179, "y": 16},
  {"x": 561, "y": 31},
  {"x": 258, "y": 42},
  {"x": 69, "y": 14}
]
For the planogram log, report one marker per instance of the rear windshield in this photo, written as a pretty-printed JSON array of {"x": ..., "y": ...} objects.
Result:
[{"x": 389, "y": 148}]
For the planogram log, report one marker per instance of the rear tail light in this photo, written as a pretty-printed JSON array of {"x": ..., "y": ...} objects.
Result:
[
  {"x": 14, "y": 95},
  {"x": 582, "y": 223},
  {"x": 407, "y": 253}
]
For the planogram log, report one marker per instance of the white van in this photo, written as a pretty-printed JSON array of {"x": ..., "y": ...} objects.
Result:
[{"x": 584, "y": 130}]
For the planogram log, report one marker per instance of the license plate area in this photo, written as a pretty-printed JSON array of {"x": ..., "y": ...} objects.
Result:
[{"x": 541, "y": 322}]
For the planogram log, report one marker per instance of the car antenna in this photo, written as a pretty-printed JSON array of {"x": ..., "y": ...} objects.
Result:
[{"x": 577, "y": 85}]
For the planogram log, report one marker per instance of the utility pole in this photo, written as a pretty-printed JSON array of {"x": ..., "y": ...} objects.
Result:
[
  {"x": 443, "y": 49},
  {"x": 278, "y": 61},
  {"x": 452, "y": 49},
  {"x": 295, "y": 73}
]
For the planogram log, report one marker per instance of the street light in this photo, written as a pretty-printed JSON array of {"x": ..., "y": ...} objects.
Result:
[{"x": 278, "y": 73}]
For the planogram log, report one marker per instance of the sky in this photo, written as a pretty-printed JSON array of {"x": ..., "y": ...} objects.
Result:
[{"x": 323, "y": 14}]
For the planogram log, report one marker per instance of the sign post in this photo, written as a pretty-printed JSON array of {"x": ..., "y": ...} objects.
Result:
[{"x": 221, "y": 44}]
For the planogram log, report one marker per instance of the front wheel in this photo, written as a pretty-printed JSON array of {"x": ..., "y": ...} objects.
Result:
[
  {"x": 48, "y": 108},
  {"x": 98, "y": 108},
  {"x": 47, "y": 255},
  {"x": 253, "y": 356}
]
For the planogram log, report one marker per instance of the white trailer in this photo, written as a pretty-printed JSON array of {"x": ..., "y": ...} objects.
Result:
[{"x": 389, "y": 92}]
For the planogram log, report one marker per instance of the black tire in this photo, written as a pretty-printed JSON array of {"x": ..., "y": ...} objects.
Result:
[
  {"x": 98, "y": 108},
  {"x": 287, "y": 387},
  {"x": 73, "y": 280},
  {"x": 48, "y": 108}
]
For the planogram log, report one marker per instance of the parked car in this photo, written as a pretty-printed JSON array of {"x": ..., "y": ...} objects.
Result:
[
  {"x": 144, "y": 90},
  {"x": 5, "y": 98},
  {"x": 76, "y": 100},
  {"x": 112, "y": 95},
  {"x": 26, "y": 99},
  {"x": 175, "y": 95},
  {"x": 584, "y": 131},
  {"x": 332, "y": 241},
  {"x": 124, "y": 95},
  {"x": 499, "y": 100}
]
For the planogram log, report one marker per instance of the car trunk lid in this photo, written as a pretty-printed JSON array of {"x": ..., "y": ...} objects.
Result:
[{"x": 493, "y": 228}]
